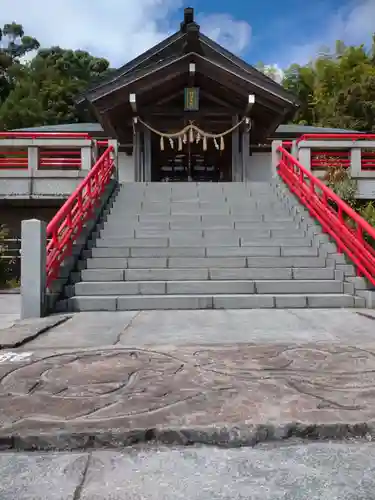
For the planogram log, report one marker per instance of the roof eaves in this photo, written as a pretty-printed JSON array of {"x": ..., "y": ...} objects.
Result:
[
  {"x": 131, "y": 65},
  {"x": 245, "y": 66},
  {"x": 137, "y": 75}
]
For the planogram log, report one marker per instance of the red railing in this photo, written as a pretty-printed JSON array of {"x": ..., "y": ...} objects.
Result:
[
  {"x": 55, "y": 159},
  {"x": 43, "y": 135},
  {"x": 350, "y": 231},
  {"x": 15, "y": 159},
  {"x": 67, "y": 224},
  {"x": 321, "y": 160},
  {"x": 288, "y": 145},
  {"x": 368, "y": 159},
  {"x": 49, "y": 159},
  {"x": 335, "y": 137}
]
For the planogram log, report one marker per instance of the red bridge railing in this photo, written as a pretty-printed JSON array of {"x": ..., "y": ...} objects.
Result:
[
  {"x": 321, "y": 160},
  {"x": 337, "y": 137},
  {"x": 350, "y": 231},
  {"x": 323, "y": 157},
  {"x": 50, "y": 158},
  {"x": 44, "y": 135},
  {"x": 66, "y": 226}
]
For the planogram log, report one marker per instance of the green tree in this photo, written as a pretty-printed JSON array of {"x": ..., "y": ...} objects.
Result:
[
  {"x": 45, "y": 92},
  {"x": 14, "y": 44},
  {"x": 337, "y": 89}
]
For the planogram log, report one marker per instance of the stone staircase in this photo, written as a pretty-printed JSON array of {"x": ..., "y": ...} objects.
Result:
[{"x": 209, "y": 246}]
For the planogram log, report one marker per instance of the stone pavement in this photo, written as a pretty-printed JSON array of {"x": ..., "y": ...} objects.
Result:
[
  {"x": 224, "y": 377},
  {"x": 298, "y": 471},
  {"x": 10, "y": 307}
]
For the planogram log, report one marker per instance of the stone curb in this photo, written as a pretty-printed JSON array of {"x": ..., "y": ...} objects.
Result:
[
  {"x": 10, "y": 291},
  {"x": 222, "y": 436},
  {"x": 24, "y": 331}
]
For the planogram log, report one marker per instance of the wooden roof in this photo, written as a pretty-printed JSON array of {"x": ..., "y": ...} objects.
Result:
[{"x": 163, "y": 71}]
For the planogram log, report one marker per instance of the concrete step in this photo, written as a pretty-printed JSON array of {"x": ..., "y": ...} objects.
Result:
[
  {"x": 199, "y": 274},
  {"x": 206, "y": 251},
  {"x": 304, "y": 262},
  {"x": 118, "y": 226},
  {"x": 206, "y": 287},
  {"x": 239, "y": 301},
  {"x": 149, "y": 252},
  {"x": 213, "y": 234},
  {"x": 205, "y": 239},
  {"x": 261, "y": 251},
  {"x": 130, "y": 220},
  {"x": 164, "y": 262},
  {"x": 205, "y": 262}
]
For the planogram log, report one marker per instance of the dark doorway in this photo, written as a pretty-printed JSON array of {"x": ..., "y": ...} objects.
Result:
[{"x": 192, "y": 163}]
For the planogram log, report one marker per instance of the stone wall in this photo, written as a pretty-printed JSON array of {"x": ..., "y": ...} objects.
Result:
[{"x": 12, "y": 212}]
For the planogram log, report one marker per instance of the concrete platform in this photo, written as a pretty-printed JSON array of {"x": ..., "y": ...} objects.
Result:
[
  {"x": 10, "y": 307},
  {"x": 298, "y": 471},
  {"x": 226, "y": 377}
]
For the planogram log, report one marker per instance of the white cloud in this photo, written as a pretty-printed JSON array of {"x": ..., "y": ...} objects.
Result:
[
  {"x": 230, "y": 33},
  {"x": 117, "y": 29},
  {"x": 274, "y": 71},
  {"x": 353, "y": 24}
]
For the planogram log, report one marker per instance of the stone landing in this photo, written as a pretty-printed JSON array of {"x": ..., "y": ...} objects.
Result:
[{"x": 240, "y": 393}]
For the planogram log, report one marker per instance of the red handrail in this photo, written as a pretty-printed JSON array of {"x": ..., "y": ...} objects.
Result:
[
  {"x": 67, "y": 224},
  {"x": 346, "y": 137},
  {"x": 42, "y": 135},
  {"x": 337, "y": 219}
]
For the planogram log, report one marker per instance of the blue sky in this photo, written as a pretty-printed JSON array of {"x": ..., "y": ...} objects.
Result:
[{"x": 273, "y": 31}]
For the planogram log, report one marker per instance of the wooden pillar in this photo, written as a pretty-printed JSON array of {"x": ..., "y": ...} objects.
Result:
[
  {"x": 147, "y": 155},
  {"x": 245, "y": 154},
  {"x": 137, "y": 156},
  {"x": 235, "y": 151},
  {"x": 141, "y": 157}
]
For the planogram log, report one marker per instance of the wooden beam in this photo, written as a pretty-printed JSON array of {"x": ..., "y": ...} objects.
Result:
[
  {"x": 180, "y": 113},
  {"x": 236, "y": 93},
  {"x": 133, "y": 102},
  {"x": 250, "y": 104},
  {"x": 169, "y": 98},
  {"x": 216, "y": 100},
  {"x": 272, "y": 126},
  {"x": 191, "y": 79},
  {"x": 108, "y": 126},
  {"x": 146, "y": 85},
  {"x": 237, "y": 85}
]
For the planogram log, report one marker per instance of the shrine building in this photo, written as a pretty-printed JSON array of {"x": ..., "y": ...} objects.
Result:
[{"x": 187, "y": 109}]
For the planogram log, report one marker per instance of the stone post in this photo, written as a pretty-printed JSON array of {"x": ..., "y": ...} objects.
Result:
[
  {"x": 33, "y": 268},
  {"x": 33, "y": 166},
  {"x": 32, "y": 159},
  {"x": 114, "y": 143},
  {"x": 94, "y": 152},
  {"x": 275, "y": 156},
  {"x": 304, "y": 157},
  {"x": 355, "y": 162},
  {"x": 294, "y": 149},
  {"x": 86, "y": 158}
]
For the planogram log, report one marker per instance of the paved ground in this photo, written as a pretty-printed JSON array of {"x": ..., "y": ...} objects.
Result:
[
  {"x": 9, "y": 309},
  {"x": 212, "y": 327},
  {"x": 93, "y": 380},
  {"x": 320, "y": 471},
  {"x": 180, "y": 376}
]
